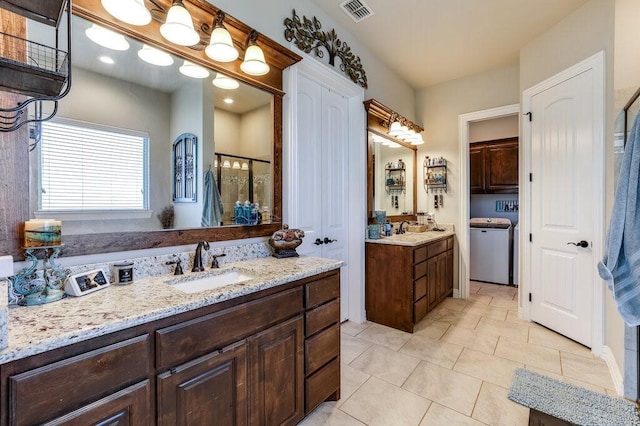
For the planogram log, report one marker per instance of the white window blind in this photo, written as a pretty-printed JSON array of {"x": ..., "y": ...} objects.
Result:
[{"x": 85, "y": 167}]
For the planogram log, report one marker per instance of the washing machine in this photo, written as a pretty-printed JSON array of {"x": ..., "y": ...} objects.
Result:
[
  {"x": 490, "y": 243},
  {"x": 516, "y": 239}
]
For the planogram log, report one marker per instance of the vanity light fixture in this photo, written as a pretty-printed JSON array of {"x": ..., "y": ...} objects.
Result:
[
  {"x": 254, "y": 62},
  {"x": 221, "y": 46},
  {"x": 395, "y": 129},
  {"x": 228, "y": 101},
  {"x": 394, "y": 145},
  {"x": 417, "y": 140},
  {"x": 155, "y": 56},
  {"x": 226, "y": 164},
  {"x": 236, "y": 165},
  {"x": 132, "y": 12},
  {"x": 245, "y": 166},
  {"x": 194, "y": 71},
  {"x": 223, "y": 82},
  {"x": 106, "y": 60},
  {"x": 178, "y": 27},
  {"x": 106, "y": 38}
]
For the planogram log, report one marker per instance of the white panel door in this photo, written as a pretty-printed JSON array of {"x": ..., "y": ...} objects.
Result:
[
  {"x": 562, "y": 206},
  {"x": 321, "y": 192}
]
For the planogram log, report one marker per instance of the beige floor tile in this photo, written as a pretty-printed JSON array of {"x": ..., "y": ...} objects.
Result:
[
  {"x": 385, "y": 364},
  {"x": 473, "y": 288},
  {"x": 353, "y": 328},
  {"x": 511, "y": 330},
  {"x": 351, "y": 347},
  {"x": 494, "y": 408},
  {"x": 534, "y": 355},
  {"x": 490, "y": 368},
  {"x": 453, "y": 304},
  {"x": 497, "y": 290},
  {"x": 474, "y": 339},
  {"x": 486, "y": 311},
  {"x": 444, "y": 386},
  {"x": 539, "y": 335},
  {"x": 377, "y": 402},
  {"x": 591, "y": 370},
  {"x": 479, "y": 298},
  {"x": 458, "y": 318},
  {"x": 512, "y": 316},
  {"x": 350, "y": 380},
  {"x": 432, "y": 329},
  {"x": 327, "y": 414},
  {"x": 385, "y": 336},
  {"x": 440, "y": 415},
  {"x": 504, "y": 303},
  {"x": 432, "y": 350},
  {"x": 567, "y": 379}
]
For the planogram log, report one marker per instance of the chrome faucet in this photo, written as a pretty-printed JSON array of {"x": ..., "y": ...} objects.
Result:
[
  {"x": 197, "y": 260},
  {"x": 401, "y": 228}
]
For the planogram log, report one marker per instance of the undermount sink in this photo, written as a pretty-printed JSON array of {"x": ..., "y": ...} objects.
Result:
[{"x": 211, "y": 281}]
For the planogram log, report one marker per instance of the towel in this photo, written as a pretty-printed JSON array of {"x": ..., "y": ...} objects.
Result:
[
  {"x": 213, "y": 207},
  {"x": 620, "y": 267}
]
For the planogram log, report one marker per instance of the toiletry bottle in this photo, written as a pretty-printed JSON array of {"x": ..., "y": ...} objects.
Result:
[
  {"x": 237, "y": 213},
  {"x": 266, "y": 217}
]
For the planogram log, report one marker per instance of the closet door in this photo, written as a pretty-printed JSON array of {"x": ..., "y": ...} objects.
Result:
[{"x": 320, "y": 195}]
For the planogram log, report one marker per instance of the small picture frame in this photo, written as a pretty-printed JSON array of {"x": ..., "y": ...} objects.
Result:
[{"x": 86, "y": 282}]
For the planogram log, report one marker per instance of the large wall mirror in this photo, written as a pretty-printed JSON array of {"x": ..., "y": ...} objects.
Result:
[
  {"x": 392, "y": 167},
  {"x": 235, "y": 129}
]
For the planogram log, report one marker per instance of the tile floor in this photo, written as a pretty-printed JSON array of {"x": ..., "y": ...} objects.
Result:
[{"x": 455, "y": 369}]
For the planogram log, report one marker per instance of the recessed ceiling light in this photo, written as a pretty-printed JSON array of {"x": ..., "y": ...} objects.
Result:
[
  {"x": 106, "y": 60},
  {"x": 227, "y": 100},
  {"x": 155, "y": 56},
  {"x": 106, "y": 38},
  {"x": 194, "y": 71}
]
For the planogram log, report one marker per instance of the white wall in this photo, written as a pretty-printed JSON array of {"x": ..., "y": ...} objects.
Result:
[
  {"x": 256, "y": 134},
  {"x": 496, "y": 128}
]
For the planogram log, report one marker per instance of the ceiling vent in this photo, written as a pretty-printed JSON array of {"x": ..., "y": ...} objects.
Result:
[{"x": 357, "y": 10}]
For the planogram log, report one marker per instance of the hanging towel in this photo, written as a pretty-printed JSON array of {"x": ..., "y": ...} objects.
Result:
[
  {"x": 213, "y": 206},
  {"x": 620, "y": 267}
]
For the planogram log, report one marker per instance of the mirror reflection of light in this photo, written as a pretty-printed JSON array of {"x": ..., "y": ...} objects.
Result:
[
  {"x": 236, "y": 165},
  {"x": 394, "y": 145},
  {"x": 224, "y": 82},
  {"x": 227, "y": 100},
  {"x": 106, "y": 38},
  {"x": 106, "y": 60},
  {"x": 194, "y": 71},
  {"x": 130, "y": 11},
  {"x": 155, "y": 56},
  {"x": 226, "y": 164},
  {"x": 245, "y": 166}
]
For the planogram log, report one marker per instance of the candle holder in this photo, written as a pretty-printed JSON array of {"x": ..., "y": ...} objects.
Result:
[{"x": 36, "y": 289}]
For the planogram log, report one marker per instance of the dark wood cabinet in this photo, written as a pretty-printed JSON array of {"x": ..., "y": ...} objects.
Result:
[
  {"x": 276, "y": 382},
  {"x": 404, "y": 283},
  {"x": 209, "y": 390},
  {"x": 267, "y": 358},
  {"x": 494, "y": 166}
]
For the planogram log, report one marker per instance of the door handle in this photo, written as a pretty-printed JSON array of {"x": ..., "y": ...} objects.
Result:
[
  {"x": 328, "y": 241},
  {"x": 582, "y": 244},
  {"x": 318, "y": 242}
]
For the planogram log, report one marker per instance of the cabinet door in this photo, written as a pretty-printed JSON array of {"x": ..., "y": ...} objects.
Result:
[
  {"x": 129, "y": 407},
  {"x": 432, "y": 282},
  {"x": 208, "y": 390},
  {"x": 442, "y": 276},
  {"x": 502, "y": 167},
  {"x": 476, "y": 169},
  {"x": 449, "y": 274},
  {"x": 276, "y": 380}
]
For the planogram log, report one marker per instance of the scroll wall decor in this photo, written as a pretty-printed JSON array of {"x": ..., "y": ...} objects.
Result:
[{"x": 308, "y": 36}]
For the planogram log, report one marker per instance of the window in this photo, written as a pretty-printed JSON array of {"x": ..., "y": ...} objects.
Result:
[{"x": 88, "y": 168}]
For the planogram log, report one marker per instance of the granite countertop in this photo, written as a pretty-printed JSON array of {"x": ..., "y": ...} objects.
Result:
[
  {"x": 414, "y": 238},
  {"x": 36, "y": 329}
]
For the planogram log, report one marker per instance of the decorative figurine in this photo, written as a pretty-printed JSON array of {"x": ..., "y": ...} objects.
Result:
[{"x": 285, "y": 241}]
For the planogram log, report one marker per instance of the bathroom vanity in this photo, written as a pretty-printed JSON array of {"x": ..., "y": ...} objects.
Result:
[
  {"x": 267, "y": 350},
  {"x": 407, "y": 276}
]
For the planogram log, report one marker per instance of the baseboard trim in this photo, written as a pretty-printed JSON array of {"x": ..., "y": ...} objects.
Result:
[
  {"x": 614, "y": 370},
  {"x": 456, "y": 293}
]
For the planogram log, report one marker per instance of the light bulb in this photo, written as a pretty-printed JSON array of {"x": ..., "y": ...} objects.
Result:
[
  {"x": 178, "y": 28},
  {"x": 221, "y": 46},
  {"x": 254, "y": 62},
  {"x": 106, "y": 38},
  {"x": 132, "y": 12}
]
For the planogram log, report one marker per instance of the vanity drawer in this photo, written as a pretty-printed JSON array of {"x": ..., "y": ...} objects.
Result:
[
  {"x": 322, "y": 290},
  {"x": 435, "y": 249},
  {"x": 420, "y": 287},
  {"x": 322, "y": 316},
  {"x": 55, "y": 389},
  {"x": 322, "y": 384},
  {"x": 419, "y": 309},
  {"x": 190, "y": 339},
  {"x": 419, "y": 270},
  {"x": 420, "y": 254},
  {"x": 321, "y": 348}
]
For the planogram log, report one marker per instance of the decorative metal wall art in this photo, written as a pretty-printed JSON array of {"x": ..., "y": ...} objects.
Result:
[
  {"x": 184, "y": 168},
  {"x": 308, "y": 36}
]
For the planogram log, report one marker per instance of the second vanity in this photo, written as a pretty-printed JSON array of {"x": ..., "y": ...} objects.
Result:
[
  {"x": 264, "y": 351},
  {"x": 407, "y": 275}
]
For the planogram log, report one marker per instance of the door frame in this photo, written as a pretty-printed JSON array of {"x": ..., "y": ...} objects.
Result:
[
  {"x": 597, "y": 64},
  {"x": 464, "y": 121},
  {"x": 357, "y": 169}
]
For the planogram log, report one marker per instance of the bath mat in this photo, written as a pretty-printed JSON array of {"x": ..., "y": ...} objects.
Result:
[{"x": 569, "y": 402}]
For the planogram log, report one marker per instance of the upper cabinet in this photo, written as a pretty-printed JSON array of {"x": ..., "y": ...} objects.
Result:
[{"x": 494, "y": 166}]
